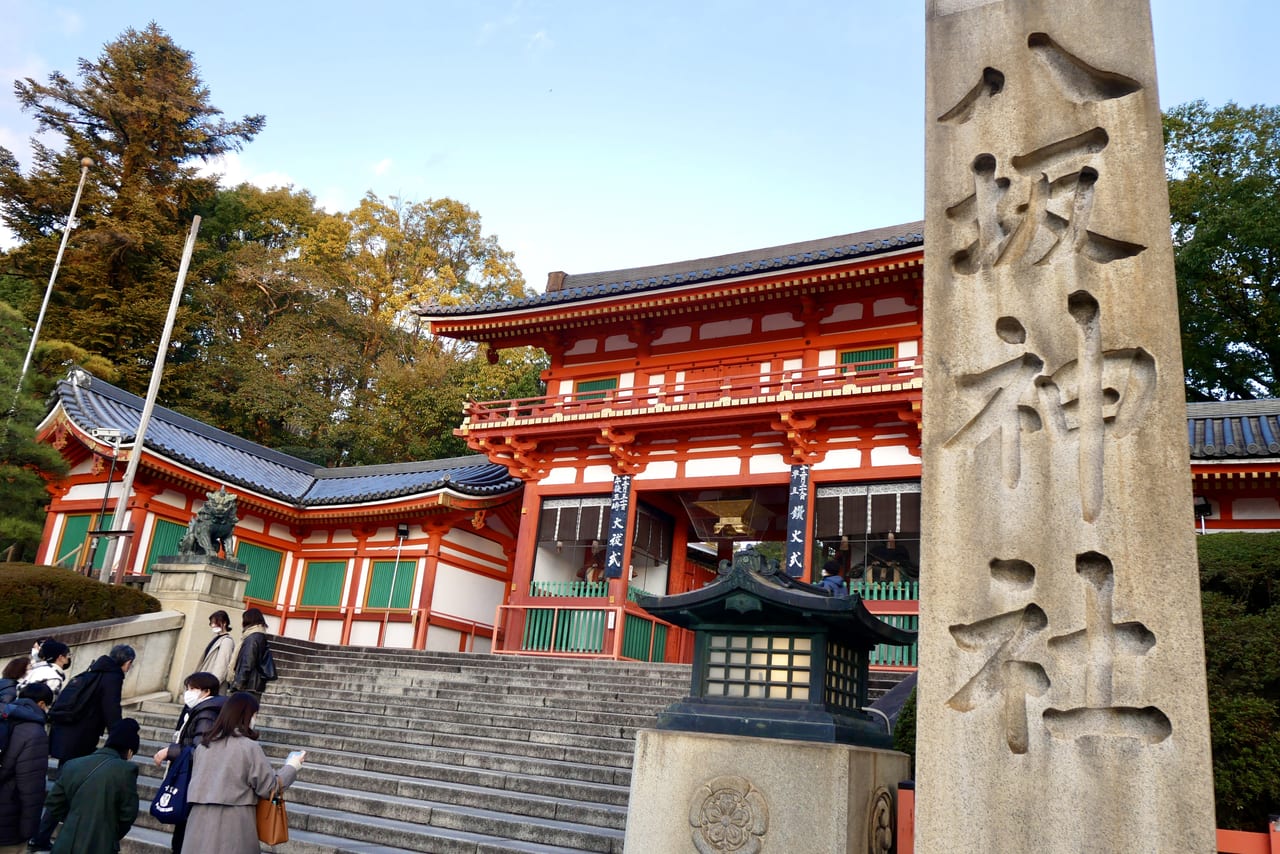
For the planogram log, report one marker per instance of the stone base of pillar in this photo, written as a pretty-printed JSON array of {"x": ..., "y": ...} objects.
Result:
[
  {"x": 716, "y": 793},
  {"x": 197, "y": 585}
]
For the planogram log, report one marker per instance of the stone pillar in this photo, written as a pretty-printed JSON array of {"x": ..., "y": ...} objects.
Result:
[
  {"x": 1062, "y": 701},
  {"x": 197, "y": 585}
]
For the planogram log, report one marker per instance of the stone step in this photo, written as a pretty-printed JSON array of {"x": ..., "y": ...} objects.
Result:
[
  {"x": 149, "y": 837},
  {"x": 429, "y": 762},
  {"x": 338, "y": 810}
]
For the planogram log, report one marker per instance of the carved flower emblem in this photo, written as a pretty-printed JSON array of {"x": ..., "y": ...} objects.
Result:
[{"x": 728, "y": 815}]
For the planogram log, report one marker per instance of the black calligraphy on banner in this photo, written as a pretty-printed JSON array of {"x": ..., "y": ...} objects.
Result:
[
  {"x": 797, "y": 520},
  {"x": 619, "y": 507}
]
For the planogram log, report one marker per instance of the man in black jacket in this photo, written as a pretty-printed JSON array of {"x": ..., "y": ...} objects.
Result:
[
  {"x": 101, "y": 711},
  {"x": 24, "y": 767}
]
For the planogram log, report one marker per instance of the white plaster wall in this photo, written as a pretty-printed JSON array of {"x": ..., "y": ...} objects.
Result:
[
  {"x": 896, "y": 305},
  {"x": 343, "y": 535},
  {"x": 565, "y": 474},
  {"x": 848, "y": 311},
  {"x": 618, "y": 342},
  {"x": 273, "y": 625},
  {"x": 299, "y": 629},
  {"x": 172, "y": 497},
  {"x": 768, "y": 464},
  {"x": 280, "y": 532},
  {"x": 674, "y": 335},
  {"x": 782, "y": 320},
  {"x": 597, "y": 474},
  {"x": 1255, "y": 508},
  {"x": 893, "y": 455},
  {"x": 476, "y": 543},
  {"x": 840, "y": 458},
  {"x": 364, "y": 634},
  {"x": 725, "y": 328},
  {"x": 441, "y": 639},
  {"x": 827, "y": 358},
  {"x": 908, "y": 349},
  {"x": 317, "y": 537},
  {"x": 627, "y": 381},
  {"x": 86, "y": 467},
  {"x": 551, "y": 565},
  {"x": 582, "y": 347},
  {"x": 714, "y": 467},
  {"x": 94, "y": 491},
  {"x": 399, "y": 636},
  {"x": 565, "y": 387},
  {"x": 251, "y": 523},
  {"x": 482, "y": 644},
  {"x": 658, "y": 470},
  {"x": 459, "y": 593},
  {"x": 328, "y": 631}
]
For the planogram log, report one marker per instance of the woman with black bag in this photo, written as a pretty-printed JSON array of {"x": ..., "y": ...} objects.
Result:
[
  {"x": 254, "y": 660},
  {"x": 201, "y": 706}
]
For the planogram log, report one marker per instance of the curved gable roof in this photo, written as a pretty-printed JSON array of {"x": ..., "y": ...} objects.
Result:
[{"x": 92, "y": 404}]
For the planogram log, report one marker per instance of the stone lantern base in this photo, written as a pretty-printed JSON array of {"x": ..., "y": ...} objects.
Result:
[{"x": 722, "y": 793}]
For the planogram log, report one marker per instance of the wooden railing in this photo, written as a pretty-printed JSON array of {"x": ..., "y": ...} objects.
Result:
[
  {"x": 802, "y": 382},
  {"x": 618, "y": 632},
  {"x": 581, "y": 589},
  {"x": 898, "y": 604}
]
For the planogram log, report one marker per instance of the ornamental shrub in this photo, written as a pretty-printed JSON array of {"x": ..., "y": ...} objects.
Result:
[
  {"x": 45, "y": 597},
  {"x": 1240, "y": 592}
]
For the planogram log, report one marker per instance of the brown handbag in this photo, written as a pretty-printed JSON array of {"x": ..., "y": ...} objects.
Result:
[{"x": 273, "y": 821}]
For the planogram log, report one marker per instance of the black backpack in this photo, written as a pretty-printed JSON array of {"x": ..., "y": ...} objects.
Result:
[{"x": 76, "y": 698}]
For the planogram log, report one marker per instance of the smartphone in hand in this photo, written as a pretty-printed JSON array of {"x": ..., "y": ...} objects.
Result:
[{"x": 295, "y": 758}]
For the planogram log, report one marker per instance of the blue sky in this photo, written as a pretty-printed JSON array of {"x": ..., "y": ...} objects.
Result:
[{"x": 594, "y": 134}]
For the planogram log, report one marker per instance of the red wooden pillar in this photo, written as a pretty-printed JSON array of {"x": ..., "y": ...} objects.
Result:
[
  {"x": 353, "y": 584},
  {"x": 435, "y": 535}
]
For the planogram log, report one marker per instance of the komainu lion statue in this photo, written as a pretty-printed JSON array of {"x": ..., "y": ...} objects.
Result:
[{"x": 211, "y": 527}]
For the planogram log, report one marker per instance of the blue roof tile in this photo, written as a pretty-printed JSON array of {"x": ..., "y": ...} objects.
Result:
[{"x": 93, "y": 403}]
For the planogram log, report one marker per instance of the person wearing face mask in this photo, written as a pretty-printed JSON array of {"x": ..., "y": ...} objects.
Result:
[
  {"x": 230, "y": 772},
  {"x": 51, "y": 668},
  {"x": 218, "y": 655},
  {"x": 201, "y": 706},
  {"x": 253, "y": 647},
  {"x": 24, "y": 766}
]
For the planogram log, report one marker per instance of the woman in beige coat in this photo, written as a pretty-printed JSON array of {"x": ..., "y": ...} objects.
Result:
[{"x": 230, "y": 772}]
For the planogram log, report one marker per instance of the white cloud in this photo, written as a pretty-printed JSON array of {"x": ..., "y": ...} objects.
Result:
[
  {"x": 539, "y": 41},
  {"x": 382, "y": 166},
  {"x": 233, "y": 172}
]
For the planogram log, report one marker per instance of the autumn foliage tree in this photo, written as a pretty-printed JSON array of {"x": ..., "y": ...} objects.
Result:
[
  {"x": 1224, "y": 194},
  {"x": 141, "y": 112}
]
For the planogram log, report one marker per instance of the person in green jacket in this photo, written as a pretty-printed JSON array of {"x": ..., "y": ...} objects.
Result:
[{"x": 96, "y": 796}]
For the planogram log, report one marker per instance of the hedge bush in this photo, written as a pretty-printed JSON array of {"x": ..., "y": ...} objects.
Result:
[{"x": 44, "y": 597}]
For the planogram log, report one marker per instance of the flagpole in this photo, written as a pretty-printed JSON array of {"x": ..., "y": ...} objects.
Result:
[
  {"x": 48, "y": 291},
  {"x": 117, "y": 531}
]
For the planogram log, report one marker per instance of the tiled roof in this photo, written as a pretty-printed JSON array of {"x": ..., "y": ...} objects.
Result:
[
  {"x": 586, "y": 286},
  {"x": 94, "y": 404},
  {"x": 1236, "y": 429}
]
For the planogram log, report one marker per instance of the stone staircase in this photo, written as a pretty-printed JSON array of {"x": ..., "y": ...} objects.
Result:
[
  {"x": 411, "y": 751},
  {"x": 443, "y": 752}
]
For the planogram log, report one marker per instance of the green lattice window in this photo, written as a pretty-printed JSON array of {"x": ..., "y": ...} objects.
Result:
[
  {"x": 75, "y": 531},
  {"x": 264, "y": 570},
  {"x": 380, "y": 584},
  {"x": 322, "y": 584},
  {"x": 600, "y": 386},
  {"x": 867, "y": 361},
  {"x": 164, "y": 541}
]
